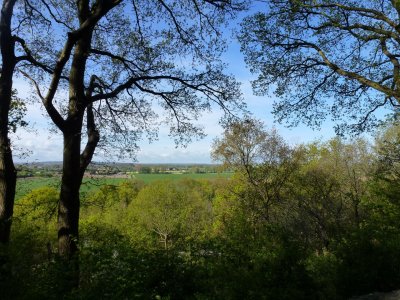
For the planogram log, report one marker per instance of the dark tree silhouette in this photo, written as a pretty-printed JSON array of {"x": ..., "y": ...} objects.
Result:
[
  {"x": 8, "y": 174},
  {"x": 119, "y": 58},
  {"x": 326, "y": 57}
]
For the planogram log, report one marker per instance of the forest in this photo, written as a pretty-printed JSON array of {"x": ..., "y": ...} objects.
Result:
[
  {"x": 315, "y": 221},
  {"x": 283, "y": 220}
]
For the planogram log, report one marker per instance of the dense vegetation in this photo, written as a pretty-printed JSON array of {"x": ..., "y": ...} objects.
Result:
[
  {"x": 316, "y": 221},
  {"x": 91, "y": 184}
]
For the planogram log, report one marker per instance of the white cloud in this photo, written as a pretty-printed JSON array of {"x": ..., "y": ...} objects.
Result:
[
  {"x": 40, "y": 145},
  {"x": 48, "y": 147}
]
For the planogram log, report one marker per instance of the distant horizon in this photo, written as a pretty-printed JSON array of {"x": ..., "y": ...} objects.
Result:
[
  {"x": 122, "y": 163},
  {"x": 41, "y": 145}
]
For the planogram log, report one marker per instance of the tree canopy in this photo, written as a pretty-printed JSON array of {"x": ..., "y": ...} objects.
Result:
[
  {"x": 117, "y": 60},
  {"x": 326, "y": 57},
  {"x": 139, "y": 54}
]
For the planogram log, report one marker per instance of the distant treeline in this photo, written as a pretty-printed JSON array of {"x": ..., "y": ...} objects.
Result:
[{"x": 54, "y": 169}]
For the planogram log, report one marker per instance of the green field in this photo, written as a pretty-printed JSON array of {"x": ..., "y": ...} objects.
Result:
[{"x": 25, "y": 185}]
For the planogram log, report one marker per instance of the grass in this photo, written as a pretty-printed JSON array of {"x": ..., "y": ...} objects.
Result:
[{"x": 25, "y": 185}]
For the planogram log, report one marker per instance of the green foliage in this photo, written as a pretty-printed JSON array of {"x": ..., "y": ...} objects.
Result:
[
  {"x": 17, "y": 113},
  {"x": 173, "y": 213},
  {"x": 90, "y": 185},
  {"x": 388, "y": 163},
  {"x": 145, "y": 170},
  {"x": 323, "y": 269},
  {"x": 127, "y": 191},
  {"x": 31, "y": 249},
  {"x": 320, "y": 224},
  {"x": 35, "y": 217},
  {"x": 40, "y": 205}
]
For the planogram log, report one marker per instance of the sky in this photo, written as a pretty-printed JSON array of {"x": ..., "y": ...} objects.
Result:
[{"x": 39, "y": 144}]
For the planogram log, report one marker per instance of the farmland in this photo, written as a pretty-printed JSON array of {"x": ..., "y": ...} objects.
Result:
[{"x": 92, "y": 183}]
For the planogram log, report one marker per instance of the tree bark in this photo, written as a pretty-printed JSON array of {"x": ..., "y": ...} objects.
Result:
[
  {"x": 73, "y": 166},
  {"x": 68, "y": 209},
  {"x": 8, "y": 181},
  {"x": 7, "y": 170}
]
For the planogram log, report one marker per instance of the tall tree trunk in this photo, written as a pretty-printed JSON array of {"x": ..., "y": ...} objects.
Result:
[
  {"x": 7, "y": 169},
  {"x": 8, "y": 181},
  {"x": 75, "y": 163},
  {"x": 74, "y": 167},
  {"x": 68, "y": 210}
]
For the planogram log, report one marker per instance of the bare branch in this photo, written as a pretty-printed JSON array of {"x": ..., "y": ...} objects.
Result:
[{"x": 51, "y": 110}]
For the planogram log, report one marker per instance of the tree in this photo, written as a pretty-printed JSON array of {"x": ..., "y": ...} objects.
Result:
[
  {"x": 145, "y": 170},
  {"x": 172, "y": 211},
  {"x": 16, "y": 17},
  {"x": 241, "y": 145},
  {"x": 11, "y": 115},
  {"x": 118, "y": 58},
  {"x": 328, "y": 190},
  {"x": 128, "y": 190},
  {"x": 323, "y": 57},
  {"x": 8, "y": 176},
  {"x": 262, "y": 159},
  {"x": 387, "y": 164}
]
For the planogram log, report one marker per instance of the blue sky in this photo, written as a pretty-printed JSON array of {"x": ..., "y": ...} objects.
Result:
[{"x": 42, "y": 145}]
